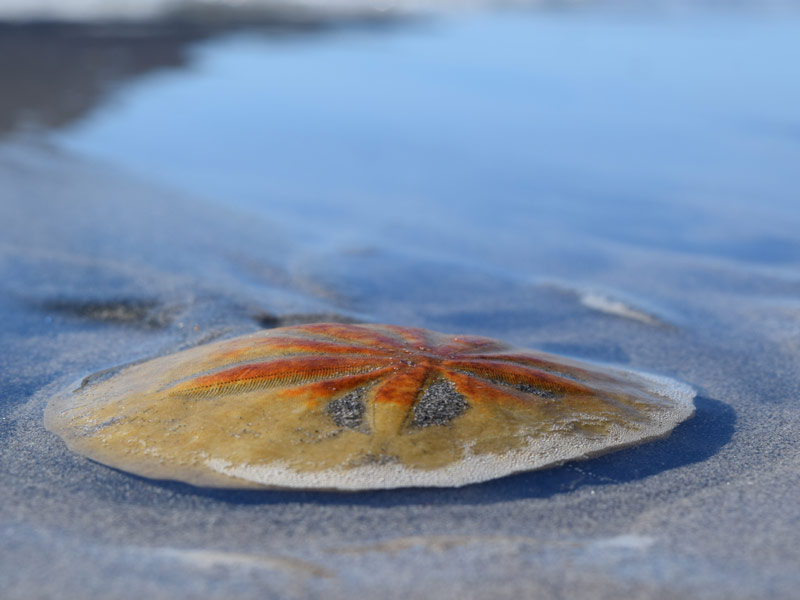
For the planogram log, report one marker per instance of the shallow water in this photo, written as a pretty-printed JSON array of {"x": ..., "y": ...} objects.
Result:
[
  {"x": 615, "y": 187},
  {"x": 468, "y": 136}
]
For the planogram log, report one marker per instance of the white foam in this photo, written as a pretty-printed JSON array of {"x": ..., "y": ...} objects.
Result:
[{"x": 618, "y": 308}]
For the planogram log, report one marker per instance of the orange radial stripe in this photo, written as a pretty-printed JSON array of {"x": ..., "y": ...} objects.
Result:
[
  {"x": 403, "y": 387},
  {"x": 277, "y": 373},
  {"x": 394, "y": 399},
  {"x": 485, "y": 392},
  {"x": 539, "y": 363},
  {"x": 482, "y": 390},
  {"x": 326, "y": 389},
  {"x": 503, "y": 372}
]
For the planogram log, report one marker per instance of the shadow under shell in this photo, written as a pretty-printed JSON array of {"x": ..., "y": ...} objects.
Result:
[{"x": 353, "y": 407}]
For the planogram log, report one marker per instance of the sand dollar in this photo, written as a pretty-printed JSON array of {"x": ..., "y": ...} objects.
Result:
[{"x": 350, "y": 407}]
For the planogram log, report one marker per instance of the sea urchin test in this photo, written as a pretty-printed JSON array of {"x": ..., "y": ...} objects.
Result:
[{"x": 354, "y": 407}]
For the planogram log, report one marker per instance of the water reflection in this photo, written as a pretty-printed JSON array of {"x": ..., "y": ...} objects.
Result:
[
  {"x": 473, "y": 136},
  {"x": 53, "y": 74}
]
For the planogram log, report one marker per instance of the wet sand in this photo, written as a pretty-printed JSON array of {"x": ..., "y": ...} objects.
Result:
[
  {"x": 709, "y": 512},
  {"x": 100, "y": 268}
]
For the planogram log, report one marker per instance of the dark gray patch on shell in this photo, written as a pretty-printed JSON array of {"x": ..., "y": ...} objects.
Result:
[
  {"x": 529, "y": 389},
  {"x": 348, "y": 411},
  {"x": 439, "y": 404},
  {"x": 377, "y": 459}
]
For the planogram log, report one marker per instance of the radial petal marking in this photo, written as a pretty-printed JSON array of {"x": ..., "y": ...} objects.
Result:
[
  {"x": 515, "y": 375},
  {"x": 276, "y": 373}
]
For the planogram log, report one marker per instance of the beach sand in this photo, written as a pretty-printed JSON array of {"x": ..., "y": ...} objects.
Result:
[{"x": 100, "y": 267}]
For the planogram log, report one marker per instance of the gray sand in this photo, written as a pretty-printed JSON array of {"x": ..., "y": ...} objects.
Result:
[
  {"x": 99, "y": 270},
  {"x": 348, "y": 411},
  {"x": 439, "y": 405}
]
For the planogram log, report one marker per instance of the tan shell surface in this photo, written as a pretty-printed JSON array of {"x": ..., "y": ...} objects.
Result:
[{"x": 332, "y": 406}]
